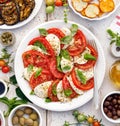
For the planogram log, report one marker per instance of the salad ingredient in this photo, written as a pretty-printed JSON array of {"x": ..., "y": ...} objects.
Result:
[
  {"x": 58, "y": 3},
  {"x": 5, "y": 69},
  {"x": 2, "y": 63},
  {"x": 49, "y": 9},
  {"x": 49, "y": 2}
]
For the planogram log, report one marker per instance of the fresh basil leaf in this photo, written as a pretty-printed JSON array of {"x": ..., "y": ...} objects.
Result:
[
  {"x": 118, "y": 40},
  {"x": 74, "y": 29},
  {"x": 38, "y": 72},
  {"x": 43, "y": 32},
  {"x": 66, "y": 39},
  {"x": 13, "y": 80},
  {"x": 40, "y": 45},
  {"x": 67, "y": 92},
  {"x": 58, "y": 58},
  {"x": 66, "y": 68},
  {"x": 111, "y": 33},
  {"x": 54, "y": 89},
  {"x": 88, "y": 56},
  {"x": 30, "y": 68},
  {"x": 81, "y": 76},
  {"x": 65, "y": 54},
  {"x": 47, "y": 100},
  {"x": 32, "y": 93}
]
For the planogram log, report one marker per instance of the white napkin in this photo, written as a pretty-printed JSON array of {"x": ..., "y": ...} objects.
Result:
[{"x": 115, "y": 25}]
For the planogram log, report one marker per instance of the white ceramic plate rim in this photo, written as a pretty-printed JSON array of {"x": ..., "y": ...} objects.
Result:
[
  {"x": 56, "y": 106},
  {"x": 2, "y": 118},
  {"x": 38, "y": 4},
  {"x": 117, "y": 4}
]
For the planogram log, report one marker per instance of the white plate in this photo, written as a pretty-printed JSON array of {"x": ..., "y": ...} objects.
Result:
[
  {"x": 38, "y": 4},
  {"x": 23, "y": 84},
  {"x": 117, "y": 4}
]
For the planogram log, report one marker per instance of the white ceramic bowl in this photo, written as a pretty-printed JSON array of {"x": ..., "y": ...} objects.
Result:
[
  {"x": 22, "y": 107},
  {"x": 2, "y": 119},
  {"x": 109, "y": 119}
]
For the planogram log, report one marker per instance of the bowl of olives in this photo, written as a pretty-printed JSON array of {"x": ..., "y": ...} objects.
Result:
[
  {"x": 25, "y": 115},
  {"x": 110, "y": 106}
]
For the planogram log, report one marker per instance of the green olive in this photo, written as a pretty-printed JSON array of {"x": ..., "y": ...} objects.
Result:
[
  {"x": 28, "y": 110},
  {"x": 35, "y": 123},
  {"x": 49, "y": 9},
  {"x": 33, "y": 116},
  {"x": 19, "y": 113},
  {"x": 29, "y": 122},
  {"x": 15, "y": 120},
  {"x": 22, "y": 120},
  {"x": 49, "y": 2}
]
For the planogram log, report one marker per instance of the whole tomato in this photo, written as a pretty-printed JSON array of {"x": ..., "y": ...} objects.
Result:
[
  {"x": 5, "y": 69},
  {"x": 96, "y": 123},
  {"x": 58, "y": 3}
]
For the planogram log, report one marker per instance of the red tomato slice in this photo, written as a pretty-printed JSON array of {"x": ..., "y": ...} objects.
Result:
[
  {"x": 54, "y": 71},
  {"x": 45, "y": 43},
  {"x": 78, "y": 84},
  {"x": 52, "y": 87},
  {"x": 43, "y": 77},
  {"x": 57, "y": 32},
  {"x": 35, "y": 58},
  {"x": 66, "y": 86},
  {"x": 90, "y": 63},
  {"x": 79, "y": 44}
]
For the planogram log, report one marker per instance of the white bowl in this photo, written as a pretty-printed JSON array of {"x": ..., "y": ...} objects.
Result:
[
  {"x": 24, "y": 106},
  {"x": 2, "y": 119},
  {"x": 5, "y": 91},
  {"x": 109, "y": 119}
]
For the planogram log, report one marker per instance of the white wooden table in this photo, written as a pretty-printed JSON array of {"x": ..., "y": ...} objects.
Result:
[{"x": 99, "y": 29}]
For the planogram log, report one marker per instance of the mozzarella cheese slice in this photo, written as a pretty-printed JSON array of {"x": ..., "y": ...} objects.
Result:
[
  {"x": 65, "y": 62},
  {"x": 42, "y": 89},
  {"x": 80, "y": 59},
  {"x": 28, "y": 73},
  {"x": 77, "y": 90},
  {"x": 60, "y": 93},
  {"x": 55, "y": 43}
]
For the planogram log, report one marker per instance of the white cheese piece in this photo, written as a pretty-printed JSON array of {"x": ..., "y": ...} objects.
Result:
[
  {"x": 80, "y": 59},
  {"x": 66, "y": 31},
  {"x": 28, "y": 73},
  {"x": 77, "y": 90},
  {"x": 42, "y": 89},
  {"x": 55, "y": 43},
  {"x": 60, "y": 93}
]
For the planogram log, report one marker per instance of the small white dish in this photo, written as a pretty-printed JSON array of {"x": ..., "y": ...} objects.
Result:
[
  {"x": 2, "y": 119},
  {"x": 106, "y": 117},
  {"x": 21, "y": 107},
  {"x": 3, "y": 86}
]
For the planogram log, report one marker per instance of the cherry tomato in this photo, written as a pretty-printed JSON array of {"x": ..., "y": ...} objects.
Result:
[
  {"x": 5, "y": 69},
  {"x": 66, "y": 86},
  {"x": 52, "y": 91},
  {"x": 96, "y": 123},
  {"x": 79, "y": 44},
  {"x": 2, "y": 63},
  {"x": 58, "y": 3},
  {"x": 54, "y": 71},
  {"x": 81, "y": 117},
  {"x": 90, "y": 120},
  {"x": 78, "y": 84},
  {"x": 90, "y": 63}
]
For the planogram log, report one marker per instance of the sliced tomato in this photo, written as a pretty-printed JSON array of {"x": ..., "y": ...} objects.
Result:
[
  {"x": 44, "y": 41},
  {"x": 35, "y": 58},
  {"x": 54, "y": 71},
  {"x": 57, "y": 32},
  {"x": 44, "y": 76},
  {"x": 66, "y": 86},
  {"x": 79, "y": 44},
  {"x": 78, "y": 84},
  {"x": 51, "y": 89},
  {"x": 89, "y": 63}
]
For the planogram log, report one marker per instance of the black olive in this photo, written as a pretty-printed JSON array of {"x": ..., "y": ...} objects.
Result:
[
  {"x": 118, "y": 113},
  {"x": 106, "y": 103},
  {"x": 109, "y": 114}
]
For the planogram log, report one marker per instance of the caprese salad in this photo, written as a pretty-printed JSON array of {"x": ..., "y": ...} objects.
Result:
[{"x": 58, "y": 64}]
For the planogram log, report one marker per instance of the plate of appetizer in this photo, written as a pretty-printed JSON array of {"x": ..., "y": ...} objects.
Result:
[
  {"x": 94, "y": 9},
  {"x": 54, "y": 65},
  {"x": 14, "y": 14}
]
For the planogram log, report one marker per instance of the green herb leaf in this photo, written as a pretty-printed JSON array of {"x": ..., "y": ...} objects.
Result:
[
  {"x": 66, "y": 39},
  {"x": 30, "y": 68},
  {"x": 111, "y": 33},
  {"x": 65, "y": 54},
  {"x": 88, "y": 56},
  {"x": 13, "y": 80},
  {"x": 67, "y": 92},
  {"x": 58, "y": 58},
  {"x": 38, "y": 72},
  {"x": 74, "y": 29},
  {"x": 43, "y": 32},
  {"x": 66, "y": 68},
  {"x": 47, "y": 100},
  {"x": 81, "y": 76},
  {"x": 54, "y": 89},
  {"x": 32, "y": 93},
  {"x": 40, "y": 45}
]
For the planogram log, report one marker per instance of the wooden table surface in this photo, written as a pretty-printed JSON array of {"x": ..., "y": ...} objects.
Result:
[{"x": 98, "y": 28}]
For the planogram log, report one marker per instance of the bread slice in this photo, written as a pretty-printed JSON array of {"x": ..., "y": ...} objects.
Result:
[
  {"x": 107, "y": 5},
  {"x": 92, "y": 10},
  {"x": 79, "y": 5}
]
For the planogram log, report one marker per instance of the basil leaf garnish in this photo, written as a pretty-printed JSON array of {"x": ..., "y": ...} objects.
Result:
[
  {"x": 66, "y": 68},
  {"x": 88, "y": 56},
  {"x": 74, "y": 29},
  {"x": 67, "y": 92},
  {"x": 65, "y": 54},
  {"x": 66, "y": 40},
  {"x": 30, "y": 68},
  {"x": 38, "y": 72},
  {"x": 43, "y": 32},
  {"x": 58, "y": 58}
]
